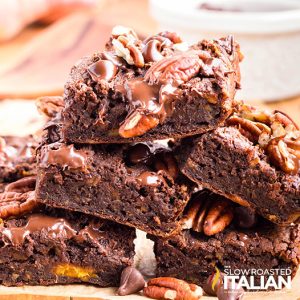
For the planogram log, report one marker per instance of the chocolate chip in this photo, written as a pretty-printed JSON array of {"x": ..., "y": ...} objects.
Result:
[
  {"x": 103, "y": 69},
  {"x": 245, "y": 217},
  {"x": 232, "y": 292},
  {"x": 212, "y": 284},
  {"x": 139, "y": 153},
  {"x": 132, "y": 281}
]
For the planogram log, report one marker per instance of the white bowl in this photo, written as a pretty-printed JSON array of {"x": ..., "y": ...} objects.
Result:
[{"x": 267, "y": 30}]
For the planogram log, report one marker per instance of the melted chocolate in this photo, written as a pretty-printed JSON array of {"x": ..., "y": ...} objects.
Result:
[
  {"x": 64, "y": 156},
  {"x": 145, "y": 152},
  {"x": 152, "y": 51},
  {"x": 103, "y": 69},
  {"x": 55, "y": 228},
  {"x": 150, "y": 99},
  {"x": 150, "y": 179},
  {"x": 92, "y": 233},
  {"x": 15, "y": 149}
]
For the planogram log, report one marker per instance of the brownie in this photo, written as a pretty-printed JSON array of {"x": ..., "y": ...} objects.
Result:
[
  {"x": 52, "y": 246},
  {"x": 148, "y": 90},
  {"x": 137, "y": 185},
  {"x": 17, "y": 157},
  {"x": 253, "y": 160},
  {"x": 258, "y": 245}
]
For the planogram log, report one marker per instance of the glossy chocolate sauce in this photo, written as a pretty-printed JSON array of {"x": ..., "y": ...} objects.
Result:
[
  {"x": 15, "y": 148},
  {"x": 64, "y": 156},
  {"x": 55, "y": 227},
  {"x": 102, "y": 69}
]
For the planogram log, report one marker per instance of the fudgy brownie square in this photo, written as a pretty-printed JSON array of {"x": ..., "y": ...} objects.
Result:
[
  {"x": 43, "y": 246},
  {"x": 153, "y": 89},
  {"x": 53, "y": 246},
  {"x": 17, "y": 157},
  {"x": 137, "y": 185},
  {"x": 223, "y": 235},
  {"x": 254, "y": 160}
]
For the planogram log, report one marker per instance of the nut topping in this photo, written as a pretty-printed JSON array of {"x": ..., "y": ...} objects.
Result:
[
  {"x": 22, "y": 185},
  {"x": 50, "y": 106},
  {"x": 18, "y": 198},
  {"x": 172, "y": 288},
  {"x": 137, "y": 124},
  {"x": 175, "y": 70},
  {"x": 208, "y": 216},
  {"x": 166, "y": 162},
  {"x": 274, "y": 132},
  {"x": 126, "y": 45},
  {"x": 152, "y": 51}
]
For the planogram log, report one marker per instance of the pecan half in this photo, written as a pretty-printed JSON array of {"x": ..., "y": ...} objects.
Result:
[
  {"x": 50, "y": 106},
  {"x": 22, "y": 185},
  {"x": 283, "y": 157},
  {"x": 275, "y": 132},
  {"x": 18, "y": 198},
  {"x": 127, "y": 48},
  {"x": 172, "y": 288},
  {"x": 284, "y": 119},
  {"x": 208, "y": 216},
  {"x": 137, "y": 124},
  {"x": 175, "y": 70},
  {"x": 166, "y": 162}
]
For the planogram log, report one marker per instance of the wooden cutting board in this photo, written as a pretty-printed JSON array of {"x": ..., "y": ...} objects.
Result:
[
  {"x": 42, "y": 66},
  {"x": 81, "y": 292}
]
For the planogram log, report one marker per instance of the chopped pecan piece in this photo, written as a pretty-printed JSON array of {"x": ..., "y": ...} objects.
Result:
[
  {"x": 209, "y": 217},
  {"x": 172, "y": 288},
  {"x": 50, "y": 106}
]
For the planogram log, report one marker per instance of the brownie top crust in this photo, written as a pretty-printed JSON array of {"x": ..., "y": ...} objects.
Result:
[
  {"x": 150, "y": 76},
  {"x": 274, "y": 132}
]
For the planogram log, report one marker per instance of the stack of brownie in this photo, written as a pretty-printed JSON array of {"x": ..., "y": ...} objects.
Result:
[{"x": 148, "y": 136}]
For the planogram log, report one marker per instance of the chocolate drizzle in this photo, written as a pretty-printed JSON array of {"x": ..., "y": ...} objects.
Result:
[
  {"x": 64, "y": 156},
  {"x": 55, "y": 228}
]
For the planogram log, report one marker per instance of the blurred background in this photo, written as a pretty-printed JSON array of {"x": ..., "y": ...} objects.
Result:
[{"x": 41, "y": 39}]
